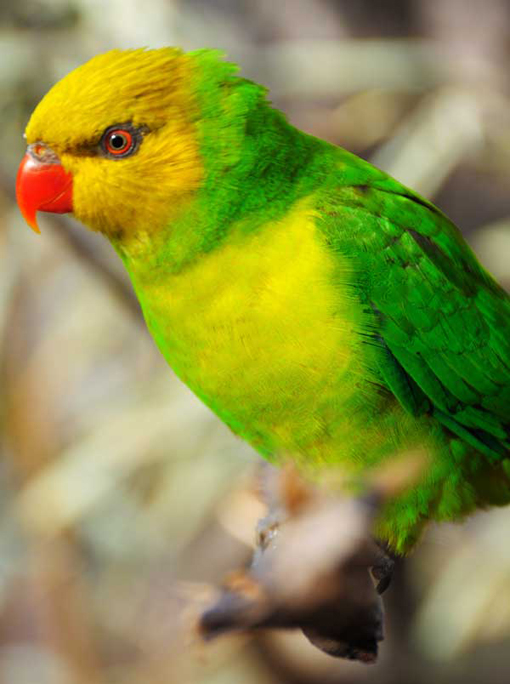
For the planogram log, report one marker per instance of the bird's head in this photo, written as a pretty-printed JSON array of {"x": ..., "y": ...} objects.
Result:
[{"x": 119, "y": 141}]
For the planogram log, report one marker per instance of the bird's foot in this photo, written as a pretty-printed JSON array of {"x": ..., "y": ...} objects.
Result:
[{"x": 382, "y": 571}]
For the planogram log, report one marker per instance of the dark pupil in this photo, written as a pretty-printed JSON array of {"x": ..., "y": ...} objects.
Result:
[{"x": 117, "y": 141}]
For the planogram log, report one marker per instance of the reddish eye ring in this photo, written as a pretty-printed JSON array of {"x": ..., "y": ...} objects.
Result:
[{"x": 120, "y": 141}]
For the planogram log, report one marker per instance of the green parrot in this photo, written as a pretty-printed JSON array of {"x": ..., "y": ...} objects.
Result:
[{"x": 325, "y": 312}]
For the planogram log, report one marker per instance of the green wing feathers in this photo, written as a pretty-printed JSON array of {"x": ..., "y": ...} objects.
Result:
[{"x": 442, "y": 322}]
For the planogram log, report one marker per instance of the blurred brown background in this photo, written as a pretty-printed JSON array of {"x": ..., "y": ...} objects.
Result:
[{"x": 120, "y": 495}]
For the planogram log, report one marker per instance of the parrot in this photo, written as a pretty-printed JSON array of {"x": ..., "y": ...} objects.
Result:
[{"x": 325, "y": 312}]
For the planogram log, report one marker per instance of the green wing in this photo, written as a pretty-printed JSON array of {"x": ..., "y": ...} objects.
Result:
[{"x": 441, "y": 322}]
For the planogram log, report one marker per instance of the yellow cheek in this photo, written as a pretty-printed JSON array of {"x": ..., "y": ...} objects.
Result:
[{"x": 137, "y": 195}]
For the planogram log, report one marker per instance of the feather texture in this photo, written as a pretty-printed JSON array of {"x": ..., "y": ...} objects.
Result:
[{"x": 325, "y": 312}]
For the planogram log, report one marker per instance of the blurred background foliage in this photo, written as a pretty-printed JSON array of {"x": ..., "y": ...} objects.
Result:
[{"x": 121, "y": 497}]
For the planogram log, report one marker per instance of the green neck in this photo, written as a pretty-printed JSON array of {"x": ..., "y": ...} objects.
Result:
[{"x": 256, "y": 166}]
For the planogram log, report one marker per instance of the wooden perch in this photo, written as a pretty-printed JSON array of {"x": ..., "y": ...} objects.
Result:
[{"x": 316, "y": 567}]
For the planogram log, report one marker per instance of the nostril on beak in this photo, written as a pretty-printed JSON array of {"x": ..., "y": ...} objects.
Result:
[{"x": 40, "y": 152}]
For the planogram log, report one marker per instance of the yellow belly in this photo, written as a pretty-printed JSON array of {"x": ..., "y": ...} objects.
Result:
[{"x": 263, "y": 332}]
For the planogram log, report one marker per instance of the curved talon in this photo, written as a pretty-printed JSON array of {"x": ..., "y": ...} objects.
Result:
[{"x": 382, "y": 572}]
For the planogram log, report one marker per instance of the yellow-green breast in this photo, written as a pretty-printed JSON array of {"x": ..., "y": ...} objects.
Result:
[
  {"x": 261, "y": 331},
  {"x": 265, "y": 329}
]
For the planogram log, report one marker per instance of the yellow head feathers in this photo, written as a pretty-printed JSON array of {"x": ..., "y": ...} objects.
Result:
[
  {"x": 148, "y": 90},
  {"x": 139, "y": 86}
]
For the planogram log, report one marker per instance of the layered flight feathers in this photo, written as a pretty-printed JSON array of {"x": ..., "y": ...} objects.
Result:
[{"x": 444, "y": 322}]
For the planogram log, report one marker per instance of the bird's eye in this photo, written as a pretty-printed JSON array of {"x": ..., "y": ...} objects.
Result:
[{"x": 120, "y": 141}]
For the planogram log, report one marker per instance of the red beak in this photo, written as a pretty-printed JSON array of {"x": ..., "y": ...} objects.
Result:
[{"x": 42, "y": 184}]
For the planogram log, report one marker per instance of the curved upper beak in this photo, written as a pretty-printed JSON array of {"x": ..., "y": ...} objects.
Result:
[{"x": 43, "y": 184}]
